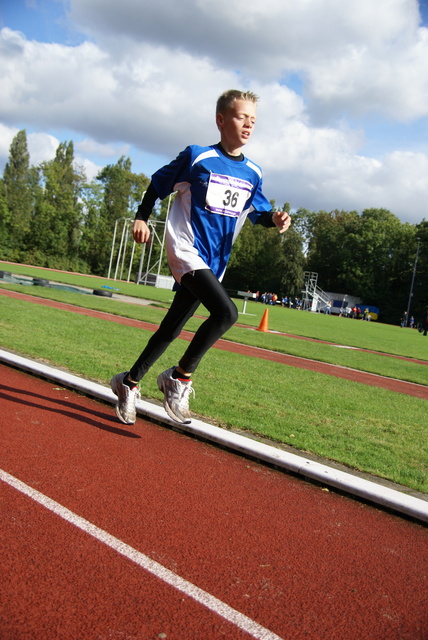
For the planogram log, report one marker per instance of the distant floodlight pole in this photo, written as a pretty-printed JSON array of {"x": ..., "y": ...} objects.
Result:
[
  {"x": 125, "y": 244},
  {"x": 140, "y": 268},
  {"x": 131, "y": 260},
  {"x": 413, "y": 282},
  {"x": 120, "y": 248},
  {"x": 112, "y": 247}
]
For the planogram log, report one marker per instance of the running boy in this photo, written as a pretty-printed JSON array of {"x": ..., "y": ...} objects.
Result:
[{"x": 217, "y": 188}]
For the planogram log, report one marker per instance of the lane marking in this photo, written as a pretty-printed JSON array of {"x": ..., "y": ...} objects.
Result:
[{"x": 202, "y": 597}]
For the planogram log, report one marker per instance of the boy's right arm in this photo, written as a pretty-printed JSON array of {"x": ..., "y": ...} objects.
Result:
[
  {"x": 164, "y": 179},
  {"x": 140, "y": 230}
]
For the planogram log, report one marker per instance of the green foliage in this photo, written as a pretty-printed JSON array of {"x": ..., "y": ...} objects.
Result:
[
  {"x": 94, "y": 229},
  {"x": 122, "y": 191},
  {"x": 50, "y": 216},
  {"x": 59, "y": 211},
  {"x": 264, "y": 260},
  {"x": 420, "y": 299},
  {"x": 17, "y": 181},
  {"x": 5, "y": 216},
  {"x": 369, "y": 255}
]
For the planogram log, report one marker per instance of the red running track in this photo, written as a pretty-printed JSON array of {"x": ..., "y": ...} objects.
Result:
[{"x": 272, "y": 554}]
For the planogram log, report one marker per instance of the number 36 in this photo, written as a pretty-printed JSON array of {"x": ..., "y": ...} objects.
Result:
[{"x": 231, "y": 198}]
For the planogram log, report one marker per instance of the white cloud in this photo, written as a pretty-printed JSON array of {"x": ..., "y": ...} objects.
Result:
[
  {"x": 91, "y": 147},
  {"x": 357, "y": 55},
  {"x": 41, "y": 146},
  {"x": 146, "y": 85},
  {"x": 134, "y": 100},
  {"x": 6, "y": 136},
  {"x": 327, "y": 177},
  {"x": 392, "y": 81}
]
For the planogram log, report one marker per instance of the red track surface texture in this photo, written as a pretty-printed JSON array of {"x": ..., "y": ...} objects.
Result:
[{"x": 273, "y": 556}]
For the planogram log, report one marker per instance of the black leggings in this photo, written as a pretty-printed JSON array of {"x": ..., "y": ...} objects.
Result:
[{"x": 196, "y": 287}]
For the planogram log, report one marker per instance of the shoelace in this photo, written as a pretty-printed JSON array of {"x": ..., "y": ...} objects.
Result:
[
  {"x": 185, "y": 391},
  {"x": 133, "y": 392}
]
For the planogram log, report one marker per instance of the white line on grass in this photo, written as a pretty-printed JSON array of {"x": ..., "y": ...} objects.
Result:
[{"x": 202, "y": 597}]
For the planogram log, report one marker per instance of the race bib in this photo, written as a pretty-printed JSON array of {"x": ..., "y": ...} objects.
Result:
[{"x": 227, "y": 195}]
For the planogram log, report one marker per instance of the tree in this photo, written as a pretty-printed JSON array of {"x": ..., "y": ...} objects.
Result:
[
  {"x": 330, "y": 252},
  {"x": 58, "y": 214},
  {"x": 264, "y": 260},
  {"x": 420, "y": 297},
  {"x": 18, "y": 182},
  {"x": 123, "y": 190},
  {"x": 93, "y": 227},
  {"x": 294, "y": 263},
  {"x": 50, "y": 216},
  {"x": 369, "y": 255}
]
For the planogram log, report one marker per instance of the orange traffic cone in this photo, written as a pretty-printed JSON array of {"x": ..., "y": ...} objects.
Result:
[{"x": 264, "y": 323}]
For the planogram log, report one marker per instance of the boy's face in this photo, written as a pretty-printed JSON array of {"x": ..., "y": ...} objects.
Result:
[{"x": 236, "y": 125}]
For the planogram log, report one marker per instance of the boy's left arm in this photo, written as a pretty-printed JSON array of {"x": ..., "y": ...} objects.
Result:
[{"x": 282, "y": 220}]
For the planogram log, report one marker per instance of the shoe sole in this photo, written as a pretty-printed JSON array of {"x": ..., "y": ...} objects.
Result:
[
  {"x": 120, "y": 417},
  {"x": 173, "y": 416}
]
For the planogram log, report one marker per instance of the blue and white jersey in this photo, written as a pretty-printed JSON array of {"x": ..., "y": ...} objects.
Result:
[{"x": 214, "y": 197}]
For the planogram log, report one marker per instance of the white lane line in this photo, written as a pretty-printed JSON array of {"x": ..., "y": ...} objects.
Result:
[{"x": 202, "y": 597}]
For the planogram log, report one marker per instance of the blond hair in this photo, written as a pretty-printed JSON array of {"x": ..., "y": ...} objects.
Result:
[{"x": 227, "y": 98}]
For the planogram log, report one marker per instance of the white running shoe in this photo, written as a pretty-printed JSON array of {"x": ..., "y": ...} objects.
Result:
[
  {"x": 125, "y": 408},
  {"x": 176, "y": 396}
]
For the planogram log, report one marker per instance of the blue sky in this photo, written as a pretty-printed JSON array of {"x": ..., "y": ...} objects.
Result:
[
  {"x": 42, "y": 20},
  {"x": 343, "y": 113}
]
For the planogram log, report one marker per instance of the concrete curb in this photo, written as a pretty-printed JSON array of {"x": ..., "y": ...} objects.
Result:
[{"x": 354, "y": 485}]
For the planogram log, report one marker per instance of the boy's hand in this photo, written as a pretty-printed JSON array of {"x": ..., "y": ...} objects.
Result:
[
  {"x": 141, "y": 232},
  {"x": 282, "y": 220}
]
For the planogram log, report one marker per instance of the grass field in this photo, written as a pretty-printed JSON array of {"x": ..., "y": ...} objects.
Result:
[{"x": 366, "y": 428}]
